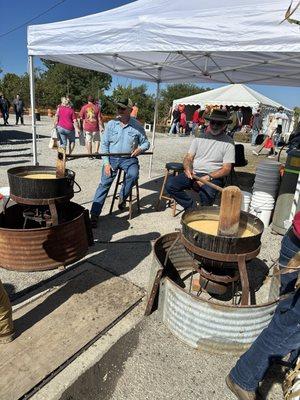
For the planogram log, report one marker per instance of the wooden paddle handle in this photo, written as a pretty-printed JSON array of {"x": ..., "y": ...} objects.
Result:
[
  {"x": 205, "y": 182},
  {"x": 230, "y": 211}
]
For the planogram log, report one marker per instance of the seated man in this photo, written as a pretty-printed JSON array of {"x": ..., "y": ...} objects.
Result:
[
  {"x": 210, "y": 156},
  {"x": 122, "y": 135}
]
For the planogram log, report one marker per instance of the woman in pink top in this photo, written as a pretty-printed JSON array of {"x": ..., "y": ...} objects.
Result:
[{"x": 66, "y": 123}]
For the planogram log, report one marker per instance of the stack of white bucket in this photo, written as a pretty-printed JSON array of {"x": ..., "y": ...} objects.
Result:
[{"x": 265, "y": 190}]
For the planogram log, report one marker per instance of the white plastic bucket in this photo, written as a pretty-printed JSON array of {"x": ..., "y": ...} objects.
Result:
[
  {"x": 263, "y": 215},
  {"x": 246, "y": 200}
]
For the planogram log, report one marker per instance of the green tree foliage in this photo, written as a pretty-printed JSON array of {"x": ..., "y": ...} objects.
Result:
[
  {"x": 60, "y": 79},
  {"x": 297, "y": 114},
  {"x": 173, "y": 92},
  {"x": 12, "y": 84},
  {"x": 138, "y": 95}
]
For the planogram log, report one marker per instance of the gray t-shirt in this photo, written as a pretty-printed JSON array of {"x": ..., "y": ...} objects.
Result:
[{"x": 211, "y": 152}]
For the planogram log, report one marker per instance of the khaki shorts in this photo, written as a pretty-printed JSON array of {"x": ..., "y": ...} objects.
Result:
[{"x": 92, "y": 136}]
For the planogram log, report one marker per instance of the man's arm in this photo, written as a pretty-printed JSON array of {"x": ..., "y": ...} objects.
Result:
[
  {"x": 219, "y": 173},
  {"x": 188, "y": 165},
  {"x": 143, "y": 142}
]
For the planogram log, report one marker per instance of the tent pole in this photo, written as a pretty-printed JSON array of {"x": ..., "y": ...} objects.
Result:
[
  {"x": 32, "y": 104},
  {"x": 154, "y": 126}
]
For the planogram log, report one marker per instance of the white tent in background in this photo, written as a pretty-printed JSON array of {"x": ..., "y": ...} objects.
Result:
[
  {"x": 173, "y": 41},
  {"x": 232, "y": 95}
]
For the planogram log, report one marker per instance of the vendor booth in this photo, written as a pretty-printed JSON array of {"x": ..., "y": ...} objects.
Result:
[{"x": 235, "y": 95}]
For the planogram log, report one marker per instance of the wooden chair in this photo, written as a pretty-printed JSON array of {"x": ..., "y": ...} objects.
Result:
[
  {"x": 172, "y": 169},
  {"x": 131, "y": 198}
]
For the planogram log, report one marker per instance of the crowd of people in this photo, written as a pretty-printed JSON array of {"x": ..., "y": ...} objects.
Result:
[
  {"x": 18, "y": 106},
  {"x": 180, "y": 125}
]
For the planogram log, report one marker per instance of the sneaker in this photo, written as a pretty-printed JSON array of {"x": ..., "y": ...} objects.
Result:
[
  {"x": 255, "y": 152},
  {"x": 121, "y": 204},
  {"x": 240, "y": 393},
  {"x": 94, "y": 221},
  {"x": 272, "y": 156}
]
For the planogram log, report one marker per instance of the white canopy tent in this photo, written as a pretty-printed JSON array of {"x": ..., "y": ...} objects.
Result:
[
  {"x": 163, "y": 41},
  {"x": 231, "y": 95}
]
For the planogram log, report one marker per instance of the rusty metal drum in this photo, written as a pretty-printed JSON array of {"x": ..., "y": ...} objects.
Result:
[{"x": 43, "y": 248}]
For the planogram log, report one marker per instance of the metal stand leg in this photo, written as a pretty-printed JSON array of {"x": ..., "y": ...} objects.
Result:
[
  {"x": 244, "y": 280},
  {"x": 53, "y": 212}
]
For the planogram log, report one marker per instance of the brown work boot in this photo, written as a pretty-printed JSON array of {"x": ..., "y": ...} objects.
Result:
[
  {"x": 9, "y": 337},
  {"x": 240, "y": 393}
]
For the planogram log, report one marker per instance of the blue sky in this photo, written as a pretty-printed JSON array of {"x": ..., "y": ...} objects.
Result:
[{"x": 13, "y": 52}]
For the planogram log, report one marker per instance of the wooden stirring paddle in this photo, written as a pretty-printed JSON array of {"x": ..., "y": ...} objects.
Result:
[
  {"x": 61, "y": 163},
  {"x": 230, "y": 211}
]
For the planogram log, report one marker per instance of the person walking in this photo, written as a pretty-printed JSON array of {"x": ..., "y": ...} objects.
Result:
[
  {"x": 256, "y": 125},
  {"x": 281, "y": 119},
  {"x": 124, "y": 134},
  {"x": 90, "y": 116},
  {"x": 4, "y": 107},
  {"x": 65, "y": 122},
  {"x": 19, "y": 109},
  {"x": 175, "y": 121},
  {"x": 196, "y": 120}
]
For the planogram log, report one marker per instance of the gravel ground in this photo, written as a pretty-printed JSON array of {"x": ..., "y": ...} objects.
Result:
[{"x": 124, "y": 247}]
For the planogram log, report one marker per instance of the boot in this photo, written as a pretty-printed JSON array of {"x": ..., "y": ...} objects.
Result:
[
  {"x": 6, "y": 323},
  {"x": 240, "y": 393}
]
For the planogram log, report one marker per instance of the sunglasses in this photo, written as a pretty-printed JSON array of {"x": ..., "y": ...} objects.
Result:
[{"x": 218, "y": 123}]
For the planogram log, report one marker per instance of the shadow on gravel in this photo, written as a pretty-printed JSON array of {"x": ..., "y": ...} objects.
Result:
[
  {"x": 16, "y": 137},
  {"x": 10, "y": 289},
  {"x": 100, "y": 381},
  {"x": 2, "y": 163},
  {"x": 15, "y": 155},
  {"x": 12, "y": 150}
]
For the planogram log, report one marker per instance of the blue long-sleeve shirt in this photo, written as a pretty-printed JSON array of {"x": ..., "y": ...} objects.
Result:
[{"x": 123, "y": 139}]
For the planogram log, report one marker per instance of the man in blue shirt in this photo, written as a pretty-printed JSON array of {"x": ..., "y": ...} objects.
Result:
[{"x": 122, "y": 135}]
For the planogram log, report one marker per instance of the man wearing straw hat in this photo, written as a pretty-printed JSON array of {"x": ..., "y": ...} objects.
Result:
[
  {"x": 124, "y": 134},
  {"x": 211, "y": 157}
]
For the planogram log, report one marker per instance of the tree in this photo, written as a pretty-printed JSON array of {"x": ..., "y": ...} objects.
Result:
[
  {"x": 139, "y": 95},
  {"x": 173, "y": 92},
  {"x": 59, "y": 80},
  {"x": 10, "y": 85},
  {"x": 296, "y": 114}
]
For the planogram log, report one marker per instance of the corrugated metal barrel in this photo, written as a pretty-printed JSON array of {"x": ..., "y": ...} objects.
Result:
[
  {"x": 207, "y": 324},
  {"x": 43, "y": 248}
]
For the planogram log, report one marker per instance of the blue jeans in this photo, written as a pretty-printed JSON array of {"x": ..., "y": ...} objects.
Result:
[
  {"x": 195, "y": 126},
  {"x": 176, "y": 186},
  {"x": 289, "y": 247},
  {"x": 281, "y": 337},
  {"x": 175, "y": 125},
  {"x": 255, "y": 133},
  {"x": 64, "y": 135},
  {"x": 131, "y": 168}
]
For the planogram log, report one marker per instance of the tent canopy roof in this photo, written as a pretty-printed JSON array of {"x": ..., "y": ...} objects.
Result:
[
  {"x": 163, "y": 41},
  {"x": 231, "y": 95}
]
